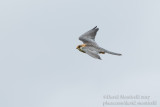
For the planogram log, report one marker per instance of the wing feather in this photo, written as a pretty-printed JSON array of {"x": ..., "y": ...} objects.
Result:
[
  {"x": 89, "y": 37},
  {"x": 91, "y": 53}
]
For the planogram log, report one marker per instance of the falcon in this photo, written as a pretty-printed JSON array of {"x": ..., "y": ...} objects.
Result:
[{"x": 89, "y": 45}]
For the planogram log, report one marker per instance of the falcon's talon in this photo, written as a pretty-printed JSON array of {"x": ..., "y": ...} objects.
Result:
[{"x": 102, "y": 52}]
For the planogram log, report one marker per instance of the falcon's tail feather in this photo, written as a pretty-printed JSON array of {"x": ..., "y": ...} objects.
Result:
[{"x": 113, "y": 53}]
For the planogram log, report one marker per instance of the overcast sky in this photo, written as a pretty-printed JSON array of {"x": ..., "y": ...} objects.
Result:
[{"x": 39, "y": 63}]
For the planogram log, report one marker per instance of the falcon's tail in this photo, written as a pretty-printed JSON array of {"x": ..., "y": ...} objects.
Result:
[{"x": 113, "y": 53}]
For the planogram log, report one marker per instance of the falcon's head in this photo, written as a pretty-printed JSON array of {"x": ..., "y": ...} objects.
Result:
[{"x": 79, "y": 47}]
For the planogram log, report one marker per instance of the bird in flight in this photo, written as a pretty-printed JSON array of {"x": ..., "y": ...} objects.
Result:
[{"x": 89, "y": 45}]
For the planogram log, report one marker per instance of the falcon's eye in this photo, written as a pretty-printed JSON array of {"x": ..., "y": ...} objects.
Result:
[{"x": 78, "y": 46}]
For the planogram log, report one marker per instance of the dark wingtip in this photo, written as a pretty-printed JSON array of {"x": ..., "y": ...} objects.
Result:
[
  {"x": 95, "y": 27},
  {"x": 120, "y": 54}
]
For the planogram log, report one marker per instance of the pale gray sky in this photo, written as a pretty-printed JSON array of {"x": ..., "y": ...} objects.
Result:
[{"x": 39, "y": 63}]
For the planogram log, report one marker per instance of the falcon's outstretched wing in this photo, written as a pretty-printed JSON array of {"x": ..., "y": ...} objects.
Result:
[{"x": 89, "y": 37}]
